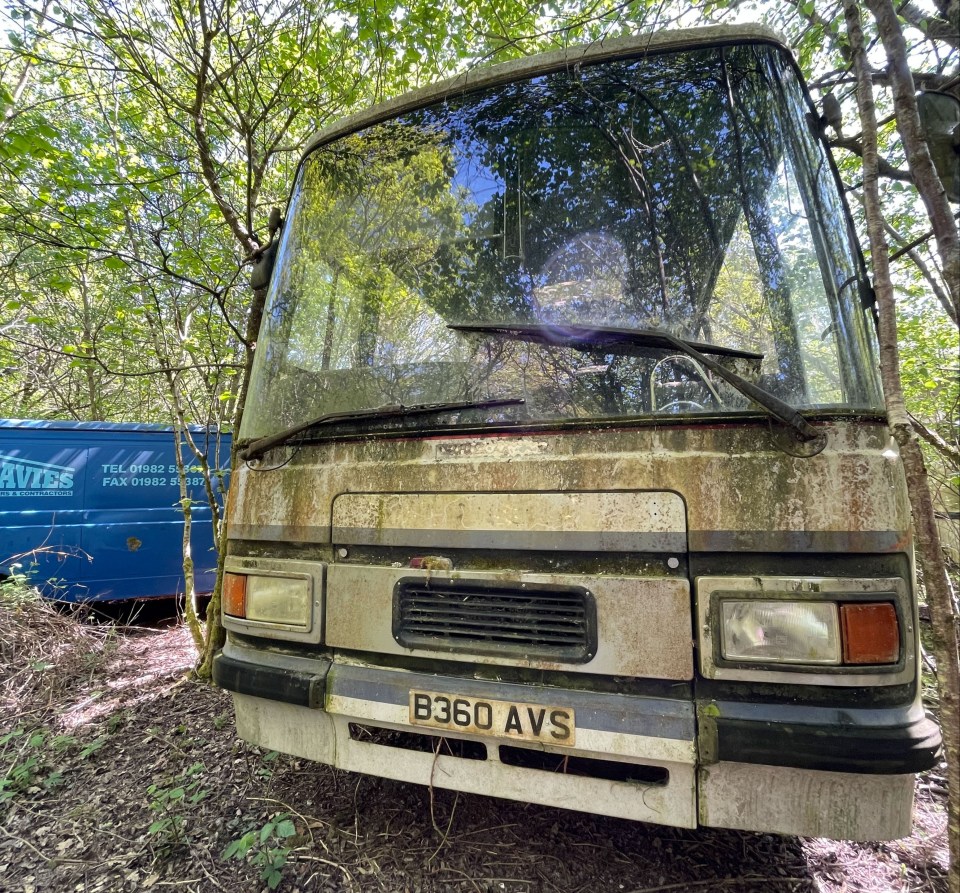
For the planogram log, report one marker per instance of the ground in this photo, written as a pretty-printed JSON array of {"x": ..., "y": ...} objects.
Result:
[{"x": 119, "y": 773}]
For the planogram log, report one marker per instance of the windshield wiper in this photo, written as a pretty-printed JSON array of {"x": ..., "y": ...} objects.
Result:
[
  {"x": 615, "y": 339},
  {"x": 392, "y": 410}
]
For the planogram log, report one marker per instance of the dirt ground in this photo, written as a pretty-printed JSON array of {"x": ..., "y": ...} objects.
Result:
[{"x": 117, "y": 773}]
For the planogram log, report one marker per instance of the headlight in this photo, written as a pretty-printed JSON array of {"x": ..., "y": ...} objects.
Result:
[
  {"x": 805, "y": 632},
  {"x": 268, "y": 599}
]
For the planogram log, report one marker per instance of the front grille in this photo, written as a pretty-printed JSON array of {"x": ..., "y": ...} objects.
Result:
[{"x": 522, "y": 620}]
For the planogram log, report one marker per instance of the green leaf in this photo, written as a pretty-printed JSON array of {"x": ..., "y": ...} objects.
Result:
[
  {"x": 92, "y": 747},
  {"x": 53, "y": 780},
  {"x": 239, "y": 848},
  {"x": 18, "y": 732}
]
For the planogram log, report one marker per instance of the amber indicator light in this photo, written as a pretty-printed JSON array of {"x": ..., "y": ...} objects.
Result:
[
  {"x": 870, "y": 632},
  {"x": 235, "y": 595}
]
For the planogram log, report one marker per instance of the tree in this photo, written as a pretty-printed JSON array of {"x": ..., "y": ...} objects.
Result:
[{"x": 185, "y": 122}]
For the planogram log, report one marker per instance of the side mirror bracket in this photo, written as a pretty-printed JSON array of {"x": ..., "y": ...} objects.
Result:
[
  {"x": 940, "y": 122},
  {"x": 266, "y": 258},
  {"x": 263, "y": 268}
]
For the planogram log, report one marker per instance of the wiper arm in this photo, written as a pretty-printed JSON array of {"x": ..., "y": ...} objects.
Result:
[
  {"x": 392, "y": 410},
  {"x": 582, "y": 337}
]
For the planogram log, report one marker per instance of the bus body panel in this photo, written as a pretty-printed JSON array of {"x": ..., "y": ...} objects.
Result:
[
  {"x": 626, "y": 516},
  {"x": 740, "y": 492}
]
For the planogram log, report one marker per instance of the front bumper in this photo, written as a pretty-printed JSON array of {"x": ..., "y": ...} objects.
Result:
[{"x": 753, "y": 772}]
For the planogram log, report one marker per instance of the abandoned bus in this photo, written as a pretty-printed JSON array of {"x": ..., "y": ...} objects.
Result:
[{"x": 566, "y": 474}]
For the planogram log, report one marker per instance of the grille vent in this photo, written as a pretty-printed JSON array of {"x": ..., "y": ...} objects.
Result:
[{"x": 528, "y": 620}]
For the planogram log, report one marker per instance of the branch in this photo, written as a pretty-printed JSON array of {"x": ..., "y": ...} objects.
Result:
[
  {"x": 246, "y": 239},
  {"x": 924, "y": 80},
  {"x": 100, "y": 253},
  {"x": 929, "y": 550},
  {"x": 93, "y": 358},
  {"x": 914, "y": 243},
  {"x": 909, "y": 248},
  {"x": 933, "y": 27},
  {"x": 884, "y": 168},
  {"x": 948, "y": 450},
  {"x": 921, "y": 265},
  {"x": 915, "y": 145}
]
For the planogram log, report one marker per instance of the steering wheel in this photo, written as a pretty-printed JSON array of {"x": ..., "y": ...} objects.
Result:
[
  {"x": 681, "y": 361},
  {"x": 680, "y": 405}
]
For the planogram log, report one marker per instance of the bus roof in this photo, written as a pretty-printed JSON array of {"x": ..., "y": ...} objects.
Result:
[{"x": 541, "y": 63}]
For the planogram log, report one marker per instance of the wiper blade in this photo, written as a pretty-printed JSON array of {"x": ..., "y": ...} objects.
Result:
[
  {"x": 391, "y": 410},
  {"x": 615, "y": 339},
  {"x": 597, "y": 336}
]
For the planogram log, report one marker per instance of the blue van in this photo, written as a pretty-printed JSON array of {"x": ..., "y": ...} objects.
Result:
[{"x": 90, "y": 511}]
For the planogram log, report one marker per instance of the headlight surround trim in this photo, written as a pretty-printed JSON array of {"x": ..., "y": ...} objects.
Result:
[
  {"x": 709, "y": 590},
  {"x": 308, "y": 577}
]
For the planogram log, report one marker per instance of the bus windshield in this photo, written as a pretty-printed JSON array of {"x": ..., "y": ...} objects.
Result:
[{"x": 681, "y": 193}]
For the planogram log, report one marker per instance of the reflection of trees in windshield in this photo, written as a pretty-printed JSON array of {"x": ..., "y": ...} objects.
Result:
[
  {"x": 671, "y": 191},
  {"x": 373, "y": 241},
  {"x": 628, "y": 152},
  {"x": 557, "y": 382}
]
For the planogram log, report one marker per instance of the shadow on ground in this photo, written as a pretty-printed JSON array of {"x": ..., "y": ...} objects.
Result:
[{"x": 120, "y": 774}]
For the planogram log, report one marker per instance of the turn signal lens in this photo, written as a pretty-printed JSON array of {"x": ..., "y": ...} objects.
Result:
[
  {"x": 235, "y": 595},
  {"x": 871, "y": 633}
]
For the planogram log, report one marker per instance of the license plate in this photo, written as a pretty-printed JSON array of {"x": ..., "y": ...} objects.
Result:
[{"x": 482, "y": 716}]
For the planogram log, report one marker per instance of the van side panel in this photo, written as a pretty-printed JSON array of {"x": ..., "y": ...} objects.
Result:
[
  {"x": 42, "y": 498},
  {"x": 92, "y": 511}
]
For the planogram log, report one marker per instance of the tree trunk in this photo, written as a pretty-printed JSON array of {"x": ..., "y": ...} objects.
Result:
[
  {"x": 918, "y": 157},
  {"x": 216, "y": 635},
  {"x": 936, "y": 579}
]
